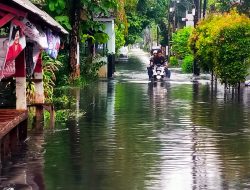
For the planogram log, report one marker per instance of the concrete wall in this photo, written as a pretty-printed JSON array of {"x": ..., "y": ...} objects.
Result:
[
  {"x": 103, "y": 71},
  {"x": 110, "y": 30}
]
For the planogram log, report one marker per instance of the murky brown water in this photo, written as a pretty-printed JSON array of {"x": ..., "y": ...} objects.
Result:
[{"x": 136, "y": 135}]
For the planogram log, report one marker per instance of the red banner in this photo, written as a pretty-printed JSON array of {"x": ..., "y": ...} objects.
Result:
[{"x": 15, "y": 44}]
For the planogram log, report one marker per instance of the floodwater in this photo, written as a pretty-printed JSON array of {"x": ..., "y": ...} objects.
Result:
[{"x": 130, "y": 134}]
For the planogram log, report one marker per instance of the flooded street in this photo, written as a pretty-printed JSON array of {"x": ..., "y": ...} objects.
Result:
[{"x": 131, "y": 134}]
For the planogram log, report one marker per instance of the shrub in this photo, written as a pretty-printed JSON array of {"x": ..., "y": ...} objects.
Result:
[
  {"x": 62, "y": 75},
  {"x": 221, "y": 43},
  {"x": 232, "y": 58},
  {"x": 180, "y": 42},
  {"x": 173, "y": 62},
  {"x": 50, "y": 66},
  {"x": 201, "y": 42},
  {"x": 187, "y": 64}
]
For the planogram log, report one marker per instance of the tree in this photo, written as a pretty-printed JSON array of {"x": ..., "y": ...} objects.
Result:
[
  {"x": 121, "y": 25},
  {"x": 232, "y": 41},
  {"x": 201, "y": 42},
  {"x": 227, "y": 5},
  {"x": 78, "y": 17},
  {"x": 180, "y": 42},
  {"x": 222, "y": 43},
  {"x": 143, "y": 13}
]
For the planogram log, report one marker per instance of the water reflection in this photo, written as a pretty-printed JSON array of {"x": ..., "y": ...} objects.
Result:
[
  {"x": 142, "y": 136},
  {"x": 25, "y": 170}
]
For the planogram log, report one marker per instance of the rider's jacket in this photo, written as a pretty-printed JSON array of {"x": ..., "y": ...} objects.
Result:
[{"x": 159, "y": 60}]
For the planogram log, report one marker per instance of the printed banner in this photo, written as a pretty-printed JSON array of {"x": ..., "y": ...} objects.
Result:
[
  {"x": 34, "y": 33},
  {"x": 30, "y": 30},
  {"x": 36, "y": 52},
  {"x": 16, "y": 44},
  {"x": 42, "y": 40},
  {"x": 53, "y": 44},
  {"x": 32, "y": 52}
]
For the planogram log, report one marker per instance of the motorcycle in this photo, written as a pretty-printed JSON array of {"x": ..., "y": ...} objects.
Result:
[{"x": 158, "y": 72}]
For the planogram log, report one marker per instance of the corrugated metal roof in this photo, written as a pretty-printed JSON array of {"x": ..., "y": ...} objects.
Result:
[{"x": 43, "y": 15}]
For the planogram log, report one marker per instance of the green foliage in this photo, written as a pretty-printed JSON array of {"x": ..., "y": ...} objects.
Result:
[
  {"x": 201, "y": 42},
  {"x": 30, "y": 92},
  {"x": 94, "y": 29},
  {"x": 180, "y": 42},
  {"x": 61, "y": 101},
  {"x": 174, "y": 61},
  {"x": 89, "y": 68},
  {"x": 56, "y": 5},
  {"x": 228, "y": 5},
  {"x": 142, "y": 14},
  {"x": 119, "y": 38},
  {"x": 97, "y": 37},
  {"x": 62, "y": 75},
  {"x": 187, "y": 64},
  {"x": 101, "y": 37},
  {"x": 163, "y": 31},
  {"x": 65, "y": 102},
  {"x": 222, "y": 43},
  {"x": 59, "y": 9},
  {"x": 232, "y": 58},
  {"x": 64, "y": 21},
  {"x": 134, "y": 28},
  {"x": 50, "y": 66}
]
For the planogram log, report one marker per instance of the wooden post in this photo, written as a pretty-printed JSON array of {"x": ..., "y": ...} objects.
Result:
[{"x": 21, "y": 103}]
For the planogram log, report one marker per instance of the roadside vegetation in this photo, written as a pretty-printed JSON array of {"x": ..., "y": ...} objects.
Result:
[
  {"x": 181, "y": 50},
  {"x": 133, "y": 18},
  {"x": 221, "y": 44}
]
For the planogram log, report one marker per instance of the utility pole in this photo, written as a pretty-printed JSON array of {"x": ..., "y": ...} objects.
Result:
[
  {"x": 169, "y": 31},
  {"x": 196, "y": 69},
  {"x": 200, "y": 9},
  {"x": 204, "y": 8}
]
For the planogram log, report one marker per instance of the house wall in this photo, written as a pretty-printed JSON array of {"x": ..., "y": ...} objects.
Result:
[
  {"x": 110, "y": 30},
  {"x": 102, "y": 73}
]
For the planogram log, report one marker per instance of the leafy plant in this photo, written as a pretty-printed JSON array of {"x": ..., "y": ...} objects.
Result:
[
  {"x": 50, "y": 66},
  {"x": 30, "y": 92},
  {"x": 90, "y": 67},
  {"x": 119, "y": 37},
  {"x": 187, "y": 64},
  {"x": 228, "y": 5},
  {"x": 180, "y": 42},
  {"x": 221, "y": 43},
  {"x": 174, "y": 61}
]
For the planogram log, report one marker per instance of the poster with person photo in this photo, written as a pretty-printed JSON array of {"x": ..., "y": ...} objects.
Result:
[{"x": 16, "y": 44}]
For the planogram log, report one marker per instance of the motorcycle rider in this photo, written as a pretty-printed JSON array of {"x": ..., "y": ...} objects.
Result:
[
  {"x": 159, "y": 59},
  {"x": 151, "y": 64}
]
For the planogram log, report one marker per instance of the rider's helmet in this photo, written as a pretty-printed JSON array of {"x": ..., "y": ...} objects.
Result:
[
  {"x": 154, "y": 52},
  {"x": 159, "y": 51}
]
